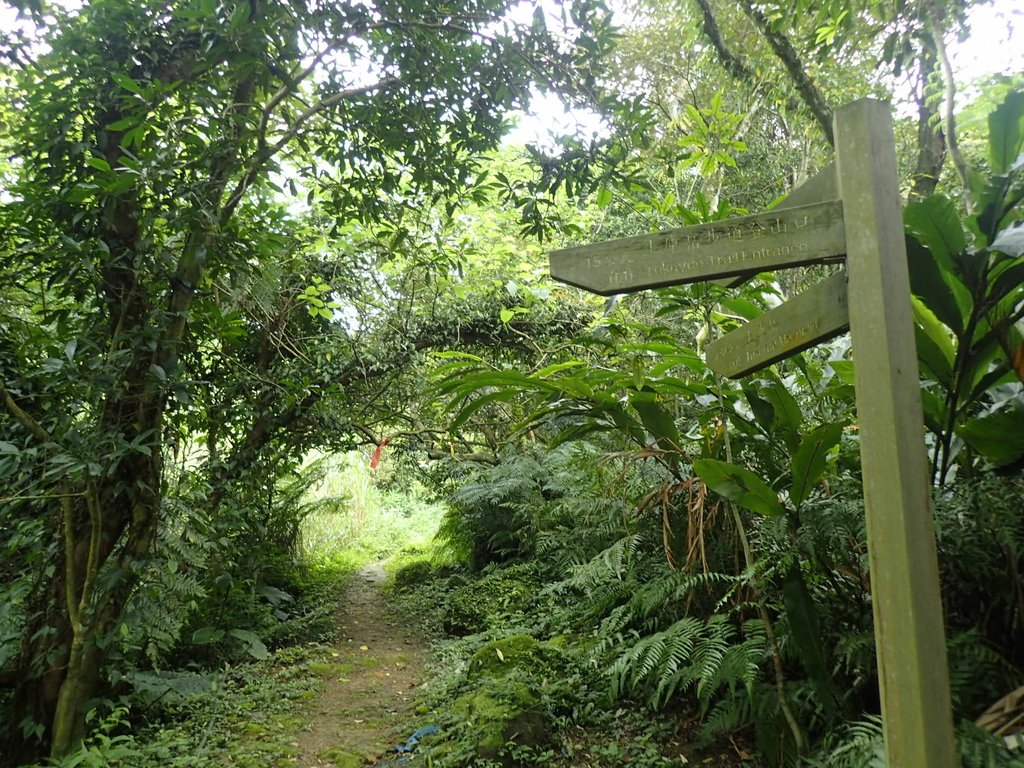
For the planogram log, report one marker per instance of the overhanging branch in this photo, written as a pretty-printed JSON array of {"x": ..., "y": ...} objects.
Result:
[
  {"x": 805, "y": 86},
  {"x": 264, "y": 154},
  {"x": 737, "y": 66}
]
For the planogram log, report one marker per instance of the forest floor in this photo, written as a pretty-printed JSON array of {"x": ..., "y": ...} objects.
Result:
[{"x": 369, "y": 680}]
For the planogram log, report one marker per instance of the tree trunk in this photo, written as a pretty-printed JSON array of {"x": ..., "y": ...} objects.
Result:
[
  {"x": 79, "y": 687},
  {"x": 931, "y": 143},
  {"x": 24, "y": 737}
]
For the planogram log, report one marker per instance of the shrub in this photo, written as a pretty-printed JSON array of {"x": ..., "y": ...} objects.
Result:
[{"x": 489, "y": 601}]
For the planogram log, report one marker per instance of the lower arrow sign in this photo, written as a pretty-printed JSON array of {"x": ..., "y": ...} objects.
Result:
[{"x": 814, "y": 316}]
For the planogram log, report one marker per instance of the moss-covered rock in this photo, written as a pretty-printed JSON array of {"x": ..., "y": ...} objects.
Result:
[
  {"x": 521, "y": 654},
  {"x": 507, "y": 712},
  {"x": 413, "y": 574},
  {"x": 508, "y": 699}
]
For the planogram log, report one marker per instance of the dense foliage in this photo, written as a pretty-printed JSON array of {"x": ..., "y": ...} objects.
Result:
[
  {"x": 709, "y": 535},
  {"x": 241, "y": 238},
  {"x": 213, "y": 224}
]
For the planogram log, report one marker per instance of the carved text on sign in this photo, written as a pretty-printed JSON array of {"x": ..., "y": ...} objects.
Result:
[
  {"x": 815, "y": 315},
  {"x": 782, "y": 238}
]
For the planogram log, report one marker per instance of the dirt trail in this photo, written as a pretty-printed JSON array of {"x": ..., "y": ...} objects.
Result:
[{"x": 370, "y": 678}]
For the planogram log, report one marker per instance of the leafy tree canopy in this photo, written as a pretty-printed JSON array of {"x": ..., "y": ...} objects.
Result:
[{"x": 197, "y": 191}]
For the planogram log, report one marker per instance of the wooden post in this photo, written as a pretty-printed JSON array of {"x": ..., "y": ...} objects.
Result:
[{"x": 909, "y": 633}]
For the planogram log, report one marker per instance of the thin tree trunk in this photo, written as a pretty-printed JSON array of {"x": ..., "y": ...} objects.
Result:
[
  {"x": 950, "y": 108},
  {"x": 931, "y": 143}
]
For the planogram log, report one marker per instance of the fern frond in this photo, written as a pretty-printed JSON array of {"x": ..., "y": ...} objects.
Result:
[{"x": 691, "y": 654}]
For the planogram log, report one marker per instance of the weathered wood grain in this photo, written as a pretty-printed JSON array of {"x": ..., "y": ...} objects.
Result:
[
  {"x": 790, "y": 237},
  {"x": 909, "y": 636},
  {"x": 814, "y": 316}
]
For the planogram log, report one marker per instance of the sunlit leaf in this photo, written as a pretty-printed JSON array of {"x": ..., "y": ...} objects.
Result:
[
  {"x": 1006, "y": 132},
  {"x": 935, "y": 222},
  {"x": 127, "y": 83}
]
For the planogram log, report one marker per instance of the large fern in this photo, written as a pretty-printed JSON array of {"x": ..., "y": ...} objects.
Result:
[
  {"x": 854, "y": 745},
  {"x": 173, "y": 586},
  {"x": 701, "y": 656}
]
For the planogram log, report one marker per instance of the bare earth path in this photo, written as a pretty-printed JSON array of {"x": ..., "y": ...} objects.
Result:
[{"x": 369, "y": 683}]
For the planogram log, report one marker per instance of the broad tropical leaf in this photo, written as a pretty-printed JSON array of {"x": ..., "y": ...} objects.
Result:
[
  {"x": 806, "y": 633},
  {"x": 1006, "y": 133},
  {"x": 936, "y": 224},
  {"x": 808, "y": 463},
  {"x": 999, "y": 437},
  {"x": 739, "y": 485},
  {"x": 940, "y": 290},
  {"x": 657, "y": 420}
]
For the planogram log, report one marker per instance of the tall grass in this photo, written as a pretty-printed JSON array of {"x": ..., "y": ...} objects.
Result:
[{"x": 354, "y": 516}]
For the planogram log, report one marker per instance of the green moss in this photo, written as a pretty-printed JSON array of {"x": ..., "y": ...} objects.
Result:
[
  {"x": 484, "y": 603},
  {"x": 520, "y": 653},
  {"x": 507, "y": 713},
  {"x": 413, "y": 574},
  {"x": 325, "y": 669},
  {"x": 343, "y": 758},
  {"x": 288, "y": 723}
]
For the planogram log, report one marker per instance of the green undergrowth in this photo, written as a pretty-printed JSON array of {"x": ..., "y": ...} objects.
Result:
[
  {"x": 508, "y": 690},
  {"x": 233, "y": 687},
  {"x": 244, "y": 716},
  {"x": 514, "y": 687}
]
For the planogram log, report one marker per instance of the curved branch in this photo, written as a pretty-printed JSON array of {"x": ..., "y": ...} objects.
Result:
[
  {"x": 733, "y": 63},
  {"x": 268, "y": 151},
  {"x": 435, "y": 454},
  {"x": 23, "y": 418},
  {"x": 809, "y": 93}
]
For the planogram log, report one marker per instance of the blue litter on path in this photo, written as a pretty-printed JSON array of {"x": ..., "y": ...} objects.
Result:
[{"x": 412, "y": 741}]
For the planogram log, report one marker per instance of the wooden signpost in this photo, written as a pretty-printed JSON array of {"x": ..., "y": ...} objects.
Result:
[
  {"x": 816, "y": 315},
  {"x": 790, "y": 237},
  {"x": 851, "y": 210}
]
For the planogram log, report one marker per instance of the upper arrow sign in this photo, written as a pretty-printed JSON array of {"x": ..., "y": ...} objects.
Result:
[
  {"x": 820, "y": 187},
  {"x": 780, "y": 238}
]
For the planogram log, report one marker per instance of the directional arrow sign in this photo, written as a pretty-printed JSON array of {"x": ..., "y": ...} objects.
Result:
[
  {"x": 810, "y": 318},
  {"x": 808, "y": 234},
  {"x": 820, "y": 187}
]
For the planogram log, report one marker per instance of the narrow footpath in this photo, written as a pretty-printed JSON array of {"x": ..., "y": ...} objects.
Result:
[{"x": 370, "y": 677}]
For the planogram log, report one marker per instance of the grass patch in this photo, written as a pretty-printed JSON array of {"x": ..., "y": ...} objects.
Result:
[{"x": 355, "y": 519}]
